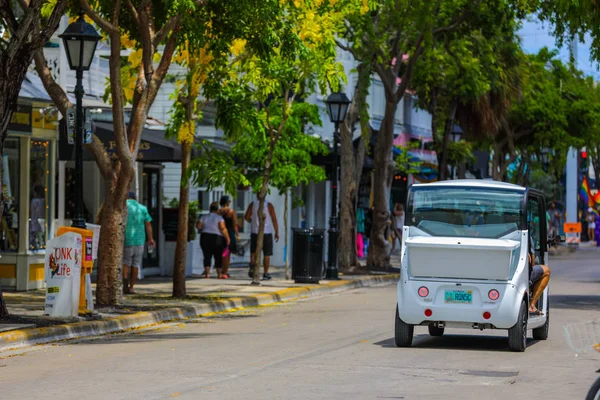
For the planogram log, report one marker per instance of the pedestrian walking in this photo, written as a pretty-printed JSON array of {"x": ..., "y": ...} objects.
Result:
[
  {"x": 230, "y": 218},
  {"x": 271, "y": 227},
  {"x": 214, "y": 239},
  {"x": 137, "y": 232},
  {"x": 591, "y": 221},
  {"x": 555, "y": 219},
  {"x": 398, "y": 225}
]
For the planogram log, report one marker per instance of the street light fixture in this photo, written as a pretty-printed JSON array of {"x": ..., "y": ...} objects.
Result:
[
  {"x": 545, "y": 158},
  {"x": 456, "y": 135},
  {"x": 337, "y": 108},
  {"x": 80, "y": 40}
]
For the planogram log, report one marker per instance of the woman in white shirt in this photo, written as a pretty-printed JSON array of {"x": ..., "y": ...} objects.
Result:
[{"x": 214, "y": 239}]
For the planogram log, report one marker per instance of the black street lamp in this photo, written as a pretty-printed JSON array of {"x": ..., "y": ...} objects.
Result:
[
  {"x": 456, "y": 135},
  {"x": 545, "y": 158},
  {"x": 80, "y": 40},
  {"x": 337, "y": 107}
]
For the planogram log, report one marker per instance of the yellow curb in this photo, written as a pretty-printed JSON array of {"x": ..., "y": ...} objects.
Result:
[{"x": 70, "y": 331}]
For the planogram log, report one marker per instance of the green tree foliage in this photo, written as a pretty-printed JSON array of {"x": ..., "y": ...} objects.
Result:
[
  {"x": 257, "y": 100},
  {"x": 470, "y": 75},
  {"x": 292, "y": 164},
  {"x": 558, "y": 109},
  {"x": 391, "y": 38}
]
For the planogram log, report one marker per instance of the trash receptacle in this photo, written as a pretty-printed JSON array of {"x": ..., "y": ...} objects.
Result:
[{"x": 307, "y": 255}]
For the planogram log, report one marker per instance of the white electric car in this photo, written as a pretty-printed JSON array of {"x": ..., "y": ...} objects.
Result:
[{"x": 465, "y": 260}]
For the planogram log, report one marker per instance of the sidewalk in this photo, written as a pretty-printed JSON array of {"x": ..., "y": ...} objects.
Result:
[{"x": 152, "y": 303}]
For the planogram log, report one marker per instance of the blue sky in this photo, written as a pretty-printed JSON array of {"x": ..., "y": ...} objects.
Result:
[{"x": 536, "y": 35}]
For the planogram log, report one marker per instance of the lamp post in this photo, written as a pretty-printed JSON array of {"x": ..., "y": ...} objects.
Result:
[
  {"x": 337, "y": 107},
  {"x": 456, "y": 135},
  {"x": 80, "y": 40},
  {"x": 545, "y": 158}
]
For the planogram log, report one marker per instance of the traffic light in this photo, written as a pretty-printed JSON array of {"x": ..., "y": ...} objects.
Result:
[{"x": 583, "y": 163}]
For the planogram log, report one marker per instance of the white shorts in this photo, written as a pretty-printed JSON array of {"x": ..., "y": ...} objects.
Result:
[{"x": 591, "y": 225}]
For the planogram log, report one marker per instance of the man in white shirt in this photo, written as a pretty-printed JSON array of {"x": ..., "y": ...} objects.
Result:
[{"x": 271, "y": 227}]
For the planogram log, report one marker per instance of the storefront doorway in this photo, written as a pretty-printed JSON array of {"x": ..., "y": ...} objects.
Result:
[{"x": 150, "y": 197}]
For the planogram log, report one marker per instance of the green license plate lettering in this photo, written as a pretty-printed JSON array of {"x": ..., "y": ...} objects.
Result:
[{"x": 458, "y": 296}]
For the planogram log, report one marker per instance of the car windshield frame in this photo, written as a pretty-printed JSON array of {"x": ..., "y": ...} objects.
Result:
[{"x": 461, "y": 220}]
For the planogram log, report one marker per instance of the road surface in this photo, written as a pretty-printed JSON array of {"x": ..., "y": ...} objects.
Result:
[{"x": 338, "y": 347}]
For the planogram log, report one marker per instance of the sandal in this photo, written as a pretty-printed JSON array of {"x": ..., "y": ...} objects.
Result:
[{"x": 536, "y": 312}]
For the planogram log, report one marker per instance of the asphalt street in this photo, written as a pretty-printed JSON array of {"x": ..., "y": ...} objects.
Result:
[{"x": 337, "y": 347}]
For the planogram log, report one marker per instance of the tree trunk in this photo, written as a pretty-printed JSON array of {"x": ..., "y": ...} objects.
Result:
[
  {"x": 443, "y": 167},
  {"x": 109, "y": 286},
  {"x": 182, "y": 227},
  {"x": 262, "y": 194},
  {"x": 379, "y": 245},
  {"x": 352, "y": 162},
  {"x": 285, "y": 246},
  {"x": 348, "y": 190}
]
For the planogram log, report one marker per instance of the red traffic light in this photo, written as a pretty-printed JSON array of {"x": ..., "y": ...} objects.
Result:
[{"x": 584, "y": 154}]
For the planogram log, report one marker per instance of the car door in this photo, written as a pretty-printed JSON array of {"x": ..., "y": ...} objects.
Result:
[{"x": 537, "y": 226}]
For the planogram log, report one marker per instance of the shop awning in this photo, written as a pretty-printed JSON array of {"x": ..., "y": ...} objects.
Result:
[{"x": 153, "y": 147}]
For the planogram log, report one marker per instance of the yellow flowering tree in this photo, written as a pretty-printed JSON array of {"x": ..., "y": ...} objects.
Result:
[
  {"x": 256, "y": 101},
  {"x": 148, "y": 27},
  {"x": 182, "y": 125}
]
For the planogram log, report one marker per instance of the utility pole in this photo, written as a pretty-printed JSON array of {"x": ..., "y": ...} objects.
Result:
[{"x": 572, "y": 167}]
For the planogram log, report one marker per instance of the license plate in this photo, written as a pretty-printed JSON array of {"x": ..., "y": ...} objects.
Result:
[{"x": 459, "y": 296}]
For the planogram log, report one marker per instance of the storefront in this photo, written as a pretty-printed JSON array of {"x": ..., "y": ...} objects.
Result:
[
  {"x": 154, "y": 151},
  {"x": 27, "y": 186}
]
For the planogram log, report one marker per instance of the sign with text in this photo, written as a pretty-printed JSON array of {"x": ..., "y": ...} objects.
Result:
[
  {"x": 71, "y": 125},
  {"x": 95, "y": 239},
  {"x": 21, "y": 119},
  {"x": 62, "y": 273},
  {"x": 87, "y": 129}
]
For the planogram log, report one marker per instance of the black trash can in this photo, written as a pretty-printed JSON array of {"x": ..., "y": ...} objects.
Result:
[{"x": 307, "y": 255}]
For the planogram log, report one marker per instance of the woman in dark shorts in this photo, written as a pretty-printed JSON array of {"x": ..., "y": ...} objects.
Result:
[
  {"x": 213, "y": 239},
  {"x": 230, "y": 218}
]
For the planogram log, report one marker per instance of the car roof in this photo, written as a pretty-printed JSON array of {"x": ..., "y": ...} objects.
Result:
[{"x": 479, "y": 183}]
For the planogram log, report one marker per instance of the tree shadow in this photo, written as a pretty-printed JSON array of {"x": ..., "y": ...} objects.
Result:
[
  {"x": 575, "y": 301},
  {"x": 458, "y": 342}
]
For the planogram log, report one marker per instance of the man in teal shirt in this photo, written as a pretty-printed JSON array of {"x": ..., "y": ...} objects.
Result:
[{"x": 137, "y": 232}]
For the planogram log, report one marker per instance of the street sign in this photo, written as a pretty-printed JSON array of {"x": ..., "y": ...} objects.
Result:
[
  {"x": 572, "y": 227},
  {"x": 87, "y": 137},
  {"x": 71, "y": 125},
  {"x": 87, "y": 127}
]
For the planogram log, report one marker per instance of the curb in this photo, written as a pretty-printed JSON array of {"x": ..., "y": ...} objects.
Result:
[{"x": 28, "y": 337}]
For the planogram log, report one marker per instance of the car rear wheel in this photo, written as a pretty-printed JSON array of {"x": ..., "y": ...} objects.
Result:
[
  {"x": 403, "y": 333},
  {"x": 435, "y": 331},
  {"x": 517, "y": 335}
]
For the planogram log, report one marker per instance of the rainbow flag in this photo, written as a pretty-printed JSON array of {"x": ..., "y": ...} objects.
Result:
[{"x": 586, "y": 195}]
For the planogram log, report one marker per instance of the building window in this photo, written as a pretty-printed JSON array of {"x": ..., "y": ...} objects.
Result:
[
  {"x": 39, "y": 177},
  {"x": 9, "y": 238}
]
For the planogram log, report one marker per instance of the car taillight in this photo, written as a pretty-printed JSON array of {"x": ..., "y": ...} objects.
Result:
[
  {"x": 493, "y": 294},
  {"x": 428, "y": 313},
  {"x": 423, "y": 291}
]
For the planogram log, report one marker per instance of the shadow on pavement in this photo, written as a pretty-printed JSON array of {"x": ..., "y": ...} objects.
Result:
[
  {"x": 458, "y": 342},
  {"x": 575, "y": 301}
]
